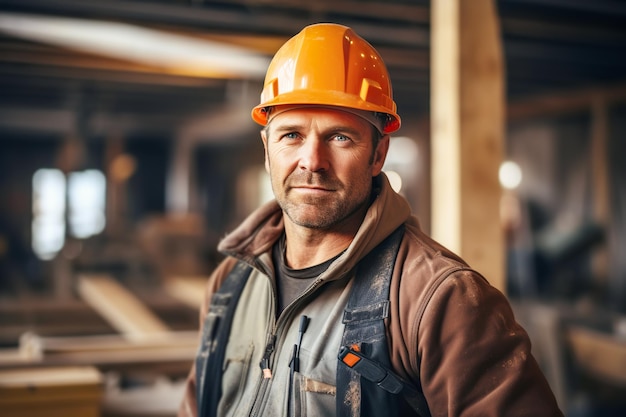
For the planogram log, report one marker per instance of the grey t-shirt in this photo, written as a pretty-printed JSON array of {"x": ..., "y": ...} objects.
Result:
[{"x": 290, "y": 283}]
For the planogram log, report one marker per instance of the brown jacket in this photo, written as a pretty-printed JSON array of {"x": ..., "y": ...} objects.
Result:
[{"x": 449, "y": 328}]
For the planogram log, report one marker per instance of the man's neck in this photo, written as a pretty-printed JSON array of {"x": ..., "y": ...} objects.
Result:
[
  {"x": 303, "y": 252},
  {"x": 307, "y": 247}
]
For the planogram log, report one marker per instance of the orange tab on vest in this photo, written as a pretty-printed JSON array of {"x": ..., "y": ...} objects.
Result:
[{"x": 351, "y": 359}]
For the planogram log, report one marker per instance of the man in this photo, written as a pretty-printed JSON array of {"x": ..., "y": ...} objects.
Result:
[{"x": 327, "y": 112}]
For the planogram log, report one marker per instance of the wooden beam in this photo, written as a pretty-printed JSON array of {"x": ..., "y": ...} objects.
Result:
[
  {"x": 467, "y": 104},
  {"x": 445, "y": 133},
  {"x": 564, "y": 102},
  {"x": 601, "y": 185},
  {"x": 102, "y": 351},
  {"x": 50, "y": 376},
  {"x": 543, "y": 29},
  {"x": 188, "y": 290},
  {"x": 122, "y": 309},
  {"x": 409, "y": 12},
  {"x": 601, "y": 355},
  {"x": 63, "y": 391}
]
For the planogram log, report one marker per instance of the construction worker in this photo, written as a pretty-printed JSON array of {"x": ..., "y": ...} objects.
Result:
[{"x": 331, "y": 301}]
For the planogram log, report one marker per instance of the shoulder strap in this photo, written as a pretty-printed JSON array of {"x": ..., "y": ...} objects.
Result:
[
  {"x": 215, "y": 331},
  {"x": 366, "y": 384}
]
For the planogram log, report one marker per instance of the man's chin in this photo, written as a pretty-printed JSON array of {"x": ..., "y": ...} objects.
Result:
[
  {"x": 313, "y": 218},
  {"x": 311, "y": 200}
]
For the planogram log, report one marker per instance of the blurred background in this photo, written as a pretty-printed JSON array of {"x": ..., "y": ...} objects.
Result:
[{"x": 127, "y": 150}]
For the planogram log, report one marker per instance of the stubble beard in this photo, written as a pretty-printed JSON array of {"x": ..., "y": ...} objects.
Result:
[{"x": 320, "y": 213}]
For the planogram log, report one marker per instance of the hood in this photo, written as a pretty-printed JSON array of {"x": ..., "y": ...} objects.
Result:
[{"x": 387, "y": 212}]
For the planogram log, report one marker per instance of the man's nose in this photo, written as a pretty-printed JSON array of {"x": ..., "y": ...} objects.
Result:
[{"x": 313, "y": 155}]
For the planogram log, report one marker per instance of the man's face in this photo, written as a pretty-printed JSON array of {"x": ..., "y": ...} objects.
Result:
[{"x": 321, "y": 163}]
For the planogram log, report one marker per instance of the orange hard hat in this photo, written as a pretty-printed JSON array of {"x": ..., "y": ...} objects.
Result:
[{"x": 329, "y": 65}]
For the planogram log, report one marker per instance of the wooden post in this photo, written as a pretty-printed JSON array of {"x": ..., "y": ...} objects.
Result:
[
  {"x": 600, "y": 178},
  {"x": 120, "y": 166},
  {"x": 179, "y": 191},
  {"x": 467, "y": 111}
]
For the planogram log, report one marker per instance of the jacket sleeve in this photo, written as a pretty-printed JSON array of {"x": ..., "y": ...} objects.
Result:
[
  {"x": 474, "y": 358},
  {"x": 188, "y": 406}
]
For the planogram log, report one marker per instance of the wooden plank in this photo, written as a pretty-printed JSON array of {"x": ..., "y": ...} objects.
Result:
[
  {"x": 161, "y": 398},
  {"x": 11, "y": 356},
  {"x": 115, "y": 342},
  {"x": 599, "y": 354},
  {"x": 55, "y": 392},
  {"x": 188, "y": 290},
  {"x": 48, "y": 316},
  {"x": 467, "y": 111},
  {"x": 122, "y": 309},
  {"x": 50, "y": 376},
  {"x": 103, "y": 350}
]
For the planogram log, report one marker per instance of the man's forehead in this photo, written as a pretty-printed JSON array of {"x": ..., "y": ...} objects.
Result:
[{"x": 291, "y": 113}]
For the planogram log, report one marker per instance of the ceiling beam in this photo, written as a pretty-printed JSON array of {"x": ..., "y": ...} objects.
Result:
[
  {"x": 209, "y": 16},
  {"x": 413, "y": 13},
  {"x": 42, "y": 61},
  {"x": 562, "y": 31},
  {"x": 556, "y": 103}
]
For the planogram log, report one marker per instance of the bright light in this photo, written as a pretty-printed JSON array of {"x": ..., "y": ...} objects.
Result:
[
  {"x": 402, "y": 151},
  {"x": 176, "y": 53},
  {"x": 402, "y": 160},
  {"x": 395, "y": 180},
  {"x": 48, "y": 225},
  {"x": 122, "y": 167},
  {"x": 265, "y": 187},
  {"x": 510, "y": 175},
  {"x": 86, "y": 196}
]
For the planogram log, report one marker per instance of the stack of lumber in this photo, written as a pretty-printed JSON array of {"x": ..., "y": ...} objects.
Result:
[{"x": 51, "y": 392}]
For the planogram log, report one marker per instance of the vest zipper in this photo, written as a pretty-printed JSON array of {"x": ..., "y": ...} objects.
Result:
[
  {"x": 265, "y": 365},
  {"x": 265, "y": 361},
  {"x": 273, "y": 343}
]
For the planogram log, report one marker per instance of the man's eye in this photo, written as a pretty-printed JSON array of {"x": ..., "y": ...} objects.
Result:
[
  {"x": 291, "y": 135},
  {"x": 341, "y": 138}
]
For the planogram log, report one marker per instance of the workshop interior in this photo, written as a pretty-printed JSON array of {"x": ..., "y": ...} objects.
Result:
[{"x": 127, "y": 151}]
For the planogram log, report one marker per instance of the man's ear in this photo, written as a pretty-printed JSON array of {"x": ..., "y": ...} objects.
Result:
[
  {"x": 264, "y": 139},
  {"x": 380, "y": 154}
]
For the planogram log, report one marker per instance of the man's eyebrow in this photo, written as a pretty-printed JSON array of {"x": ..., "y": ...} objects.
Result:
[
  {"x": 331, "y": 130},
  {"x": 344, "y": 129},
  {"x": 287, "y": 128}
]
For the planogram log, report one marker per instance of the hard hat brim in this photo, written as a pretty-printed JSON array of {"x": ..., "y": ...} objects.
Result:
[{"x": 326, "y": 99}]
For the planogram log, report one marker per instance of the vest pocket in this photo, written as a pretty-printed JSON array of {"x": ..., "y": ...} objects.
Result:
[
  {"x": 235, "y": 375},
  {"x": 312, "y": 397}
]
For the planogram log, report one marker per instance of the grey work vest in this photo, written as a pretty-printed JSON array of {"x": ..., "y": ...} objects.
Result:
[{"x": 367, "y": 387}]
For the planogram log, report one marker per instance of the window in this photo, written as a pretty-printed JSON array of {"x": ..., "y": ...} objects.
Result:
[
  {"x": 48, "y": 212},
  {"x": 79, "y": 198},
  {"x": 86, "y": 198}
]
